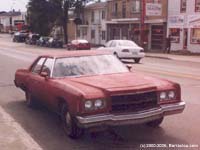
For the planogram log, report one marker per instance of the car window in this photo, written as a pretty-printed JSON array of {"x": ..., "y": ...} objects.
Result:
[
  {"x": 47, "y": 67},
  {"x": 113, "y": 44},
  {"x": 37, "y": 67},
  {"x": 74, "y": 42},
  {"x": 108, "y": 44},
  {"x": 88, "y": 65}
]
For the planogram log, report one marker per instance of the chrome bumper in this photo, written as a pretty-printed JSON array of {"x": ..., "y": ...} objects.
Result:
[{"x": 131, "y": 118}]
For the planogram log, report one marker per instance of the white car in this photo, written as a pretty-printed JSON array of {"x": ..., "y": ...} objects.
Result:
[{"x": 125, "y": 49}]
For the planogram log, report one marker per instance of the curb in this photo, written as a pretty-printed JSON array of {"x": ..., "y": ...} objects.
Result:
[{"x": 159, "y": 57}]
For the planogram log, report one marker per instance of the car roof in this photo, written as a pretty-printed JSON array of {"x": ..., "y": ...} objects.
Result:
[
  {"x": 80, "y": 41},
  {"x": 121, "y": 40},
  {"x": 76, "y": 53}
]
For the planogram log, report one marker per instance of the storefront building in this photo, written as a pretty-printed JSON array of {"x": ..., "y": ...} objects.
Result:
[
  {"x": 184, "y": 24},
  {"x": 124, "y": 21}
]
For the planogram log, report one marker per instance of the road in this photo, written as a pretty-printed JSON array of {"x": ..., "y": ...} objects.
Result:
[{"x": 43, "y": 127}]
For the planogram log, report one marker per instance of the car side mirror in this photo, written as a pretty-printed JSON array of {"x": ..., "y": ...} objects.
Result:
[{"x": 44, "y": 74}]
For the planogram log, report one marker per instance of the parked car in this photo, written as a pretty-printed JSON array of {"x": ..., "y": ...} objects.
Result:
[
  {"x": 56, "y": 43},
  {"x": 42, "y": 41},
  {"x": 32, "y": 39},
  {"x": 125, "y": 49},
  {"x": 79, "y": 45},
  {"x": 20, "y": 36},
  {"x": 93, "y": 89}
]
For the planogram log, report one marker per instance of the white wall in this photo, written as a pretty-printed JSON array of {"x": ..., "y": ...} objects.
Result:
[
  {"x": 174, "y": 9},
  {"x": 98, "y": 25}
]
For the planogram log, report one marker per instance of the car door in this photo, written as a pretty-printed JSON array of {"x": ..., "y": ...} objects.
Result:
[
  {"x": 47, "y": 91},
  {"x": 113, "y": 46},
  {"x": 34, "y": 78}
]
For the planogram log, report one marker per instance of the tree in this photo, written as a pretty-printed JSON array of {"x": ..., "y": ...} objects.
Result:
[
  {"x": 40, "y": 16},
  {"x": 44, "y": 14},
  {"x": 63, "y": 7}
]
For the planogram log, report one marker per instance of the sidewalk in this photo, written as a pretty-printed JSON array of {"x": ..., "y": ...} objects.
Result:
[
  {"x": 195, "y": 59},
  {"x": 13, "y": 136}
]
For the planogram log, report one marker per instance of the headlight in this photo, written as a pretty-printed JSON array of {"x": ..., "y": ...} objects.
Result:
[
  {"x": 88, "y": 104},
  {"x": 94, "y": 104},
  {"x": 98, "y": 103},
  {"x": 171, "y": 94},
  {"x": 163, "y": 95}
]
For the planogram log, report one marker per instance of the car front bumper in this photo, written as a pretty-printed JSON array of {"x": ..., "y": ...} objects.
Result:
[{"x": 130, "y": 118}]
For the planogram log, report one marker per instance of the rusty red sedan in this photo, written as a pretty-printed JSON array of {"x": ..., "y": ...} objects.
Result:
[{"x": 94, "y": 90}]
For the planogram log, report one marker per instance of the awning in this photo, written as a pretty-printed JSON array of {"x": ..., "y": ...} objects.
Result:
[{"x": 155, "y": 21}]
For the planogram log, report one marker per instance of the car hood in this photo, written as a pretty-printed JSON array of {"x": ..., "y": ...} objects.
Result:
[{"x": 113, "y": 84}]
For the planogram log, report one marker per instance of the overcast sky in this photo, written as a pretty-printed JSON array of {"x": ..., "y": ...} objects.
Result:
[{"x": 7, "y": 5}]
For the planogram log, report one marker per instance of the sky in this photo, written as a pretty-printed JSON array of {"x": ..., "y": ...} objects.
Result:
[{"x": 7, "y": 5}]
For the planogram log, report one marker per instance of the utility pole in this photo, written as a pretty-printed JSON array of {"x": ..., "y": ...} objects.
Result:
[{"x": 142, "y": 24}]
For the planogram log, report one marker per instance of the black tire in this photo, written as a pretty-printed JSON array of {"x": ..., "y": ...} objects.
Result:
[
  {"x": 137, "y": 60},
  {"x": 69, "y": 124},
  {"x": 155, "y": 123},
  {"x": 30, "y": 100},
  {"x": 115, "y": 53}
]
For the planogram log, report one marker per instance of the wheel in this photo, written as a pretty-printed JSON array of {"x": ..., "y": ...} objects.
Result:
[
  {"x": 115, "y": 53},
  {"x": 137, "y": 60},
  {"x": 69, "y": 125},
  {"x": 155, "y": 123},
  {"x": 30, "y": 100}
]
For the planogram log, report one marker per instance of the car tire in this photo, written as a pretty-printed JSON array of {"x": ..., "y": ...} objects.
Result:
[
  {"x": 69, "y": 124},
  {"x": 115, "y": 53},
  {"x": 155, "y": 123},
  {"x": 137, "y": 60},
  {"x": 30, "y": 100}
]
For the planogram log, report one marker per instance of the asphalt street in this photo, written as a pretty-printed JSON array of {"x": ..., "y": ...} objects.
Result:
[{"x": 44, "y": 129}]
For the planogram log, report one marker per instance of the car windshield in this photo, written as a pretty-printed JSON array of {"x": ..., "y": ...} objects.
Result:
[
  {"x": 88, "y": 65},
  {"x": 127, "y": 43}
]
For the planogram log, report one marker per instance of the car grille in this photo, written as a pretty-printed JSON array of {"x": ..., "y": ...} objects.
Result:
[{"x": 133, "y": 102}]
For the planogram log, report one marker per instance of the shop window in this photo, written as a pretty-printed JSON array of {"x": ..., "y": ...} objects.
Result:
[
  {"x": 136, "y": 6},
  {"x": 183, "y": 6},
  {"x": 103, "y": 35},
  {"x": 195, "y": 36},
  {"x": 78, "y": 33},
  {"x": 92, "y": 34},
  {"x": 103, "y": 14},
  {"x": 197, "y": 5},
  {"x": 92, "y": 16},
  {"x": 175, "y": 35},
  {"x": 84, "y": 31}
]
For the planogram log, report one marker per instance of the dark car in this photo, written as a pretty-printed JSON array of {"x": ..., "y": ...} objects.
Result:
[
  {"x": 42, "y": 41},
  {"x": 94, "y": 90},
  {"x": 32, "y": 39},
  {"x": 79, "y": 45},
  {"x": 20, "y": 36},
  {"x": 55, "y": 43}
]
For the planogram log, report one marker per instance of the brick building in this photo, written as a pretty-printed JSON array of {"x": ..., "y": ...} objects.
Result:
[{"x": 124, "y": 21}]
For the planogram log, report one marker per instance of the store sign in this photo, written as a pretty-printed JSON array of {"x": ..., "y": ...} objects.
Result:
[
  {"x": 194, "y": 21},
  {"x": 153, "y": 9},
  {"x": 176, "y": 21}
]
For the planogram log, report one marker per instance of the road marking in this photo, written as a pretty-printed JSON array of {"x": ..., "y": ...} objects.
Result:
[
  {"x": 18, "y": 129},
  {"x": 174, "y": 74}
]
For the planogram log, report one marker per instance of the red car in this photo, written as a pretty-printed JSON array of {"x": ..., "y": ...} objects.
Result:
[
  {"x": 93, "y": 89},
  {"x": 79, "y": 45}
]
